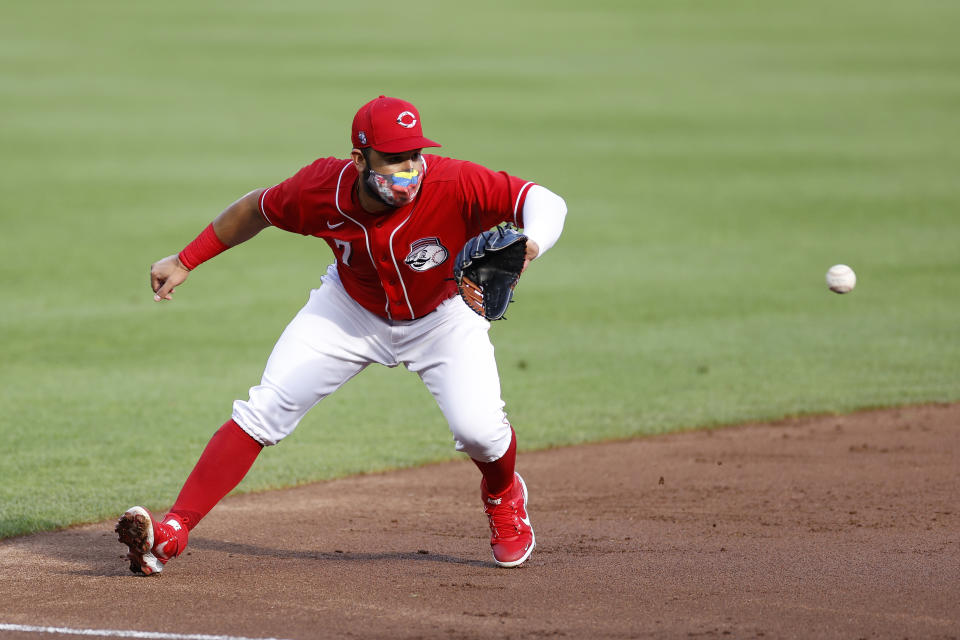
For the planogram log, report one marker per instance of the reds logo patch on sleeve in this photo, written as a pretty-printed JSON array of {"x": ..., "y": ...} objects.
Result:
[{"x": 426, "y": 253}]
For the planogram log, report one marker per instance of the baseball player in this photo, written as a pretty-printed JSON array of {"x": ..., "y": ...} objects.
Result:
[{"x": 394, "y": 218}]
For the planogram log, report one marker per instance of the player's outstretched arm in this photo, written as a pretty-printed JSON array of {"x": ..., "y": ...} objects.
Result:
[
  {"x": 241, "y": 220},
  {"x": 238, "y": 223}
]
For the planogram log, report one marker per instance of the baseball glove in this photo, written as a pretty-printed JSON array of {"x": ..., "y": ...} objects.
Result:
[{"x": 487, "y": 269}]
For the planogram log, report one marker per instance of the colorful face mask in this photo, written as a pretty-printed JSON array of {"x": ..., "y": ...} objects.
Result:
[{"x": 395, "y": 189}]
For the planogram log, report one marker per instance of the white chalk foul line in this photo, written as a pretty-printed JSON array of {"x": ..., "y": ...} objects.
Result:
[{"x": 120, "y": 633}]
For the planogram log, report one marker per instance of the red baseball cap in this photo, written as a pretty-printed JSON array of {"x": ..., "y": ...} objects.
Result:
[{"x": 389, "y": 125}]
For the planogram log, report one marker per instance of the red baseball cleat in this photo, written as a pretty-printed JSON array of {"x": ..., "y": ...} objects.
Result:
[
  {"x": 511, "y": 536},
  {"x": 152, "y": 543}
]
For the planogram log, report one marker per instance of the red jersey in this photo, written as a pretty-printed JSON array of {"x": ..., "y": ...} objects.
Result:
[{"x": 397, "y": 264}]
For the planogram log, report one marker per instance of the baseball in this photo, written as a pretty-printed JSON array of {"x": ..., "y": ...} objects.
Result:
[{"x": 841, "y": 278}]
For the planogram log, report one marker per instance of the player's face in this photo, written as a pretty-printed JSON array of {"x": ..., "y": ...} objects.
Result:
[{"x": 395, "y": 178}]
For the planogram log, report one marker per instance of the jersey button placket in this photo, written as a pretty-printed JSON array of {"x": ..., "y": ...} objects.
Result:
[{"x": 386, "y": 270}]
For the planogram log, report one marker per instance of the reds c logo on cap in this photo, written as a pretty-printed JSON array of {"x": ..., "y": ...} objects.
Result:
[{"x": 407, "y": 120}]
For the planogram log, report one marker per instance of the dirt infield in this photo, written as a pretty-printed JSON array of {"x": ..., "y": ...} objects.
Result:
[{"x": 831, "y": 527}]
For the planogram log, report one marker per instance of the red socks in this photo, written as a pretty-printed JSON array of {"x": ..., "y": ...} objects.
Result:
[
  {"x": 222, "y": 465},
  {"x": 499, "y": 473}
]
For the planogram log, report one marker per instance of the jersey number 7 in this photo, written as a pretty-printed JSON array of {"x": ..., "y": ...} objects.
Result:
[{"x": 345, "y": 256}]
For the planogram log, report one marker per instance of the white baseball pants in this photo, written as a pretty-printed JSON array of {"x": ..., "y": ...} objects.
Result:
[{"x": 333, "y": 338}]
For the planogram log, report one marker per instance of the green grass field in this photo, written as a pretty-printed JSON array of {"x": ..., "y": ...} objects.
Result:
[{"x": 716, "y": 158}]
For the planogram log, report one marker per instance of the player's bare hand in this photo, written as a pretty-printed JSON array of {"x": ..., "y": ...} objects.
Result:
[
  {"x": 165, "y": 275},
  {"x": 533, "y": 250}
]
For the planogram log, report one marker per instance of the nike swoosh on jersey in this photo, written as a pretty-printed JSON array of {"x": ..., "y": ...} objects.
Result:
[{"x": 334, "y": 226}]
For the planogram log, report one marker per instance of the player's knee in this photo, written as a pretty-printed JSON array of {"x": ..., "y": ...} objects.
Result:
[
  {"x": 483, "y": 442},
  {"x": 268, "y": 415}
]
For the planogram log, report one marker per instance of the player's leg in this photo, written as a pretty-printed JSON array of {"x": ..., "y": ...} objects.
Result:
[
  {"x": 329, "y": 341},
  {"x": 452, "y": 353}
]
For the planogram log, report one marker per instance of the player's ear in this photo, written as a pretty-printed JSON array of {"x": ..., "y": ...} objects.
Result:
[{"x": 359, "y": 162}]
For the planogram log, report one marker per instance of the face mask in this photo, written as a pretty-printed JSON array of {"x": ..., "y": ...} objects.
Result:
[{"x": 395, "y": 189}]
